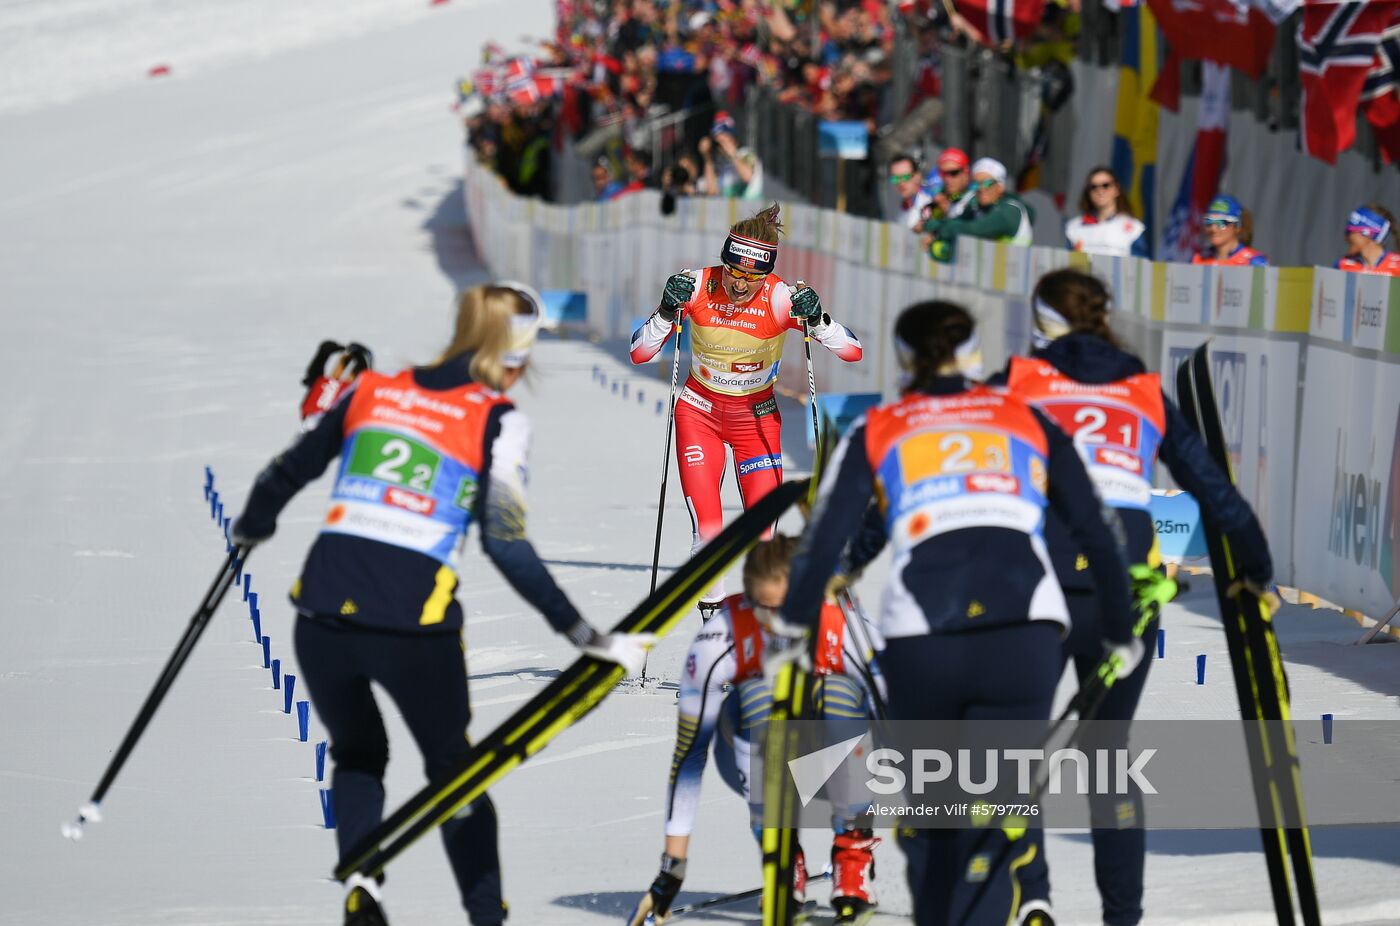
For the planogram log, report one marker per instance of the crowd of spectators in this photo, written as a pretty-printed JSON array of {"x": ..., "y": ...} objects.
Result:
[
  {"x": 626, "y": 64},
  {"x": 655, "y": 80},
  {"x": 953, "y": 200}
]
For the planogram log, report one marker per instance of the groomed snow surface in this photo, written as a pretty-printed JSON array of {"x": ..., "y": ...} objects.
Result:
[{"x": 171, "y": 251}]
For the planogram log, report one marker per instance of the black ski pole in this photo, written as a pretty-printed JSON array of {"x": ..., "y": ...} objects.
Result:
[
  {"x": 811, "y": 385},
  {"x": 228, "y": 574},
  {"x": 666, "y": 460}
]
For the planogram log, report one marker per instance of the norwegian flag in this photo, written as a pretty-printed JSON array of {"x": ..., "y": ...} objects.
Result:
[
  {"x": 1380, "y": 94},
  {"x": 1001, "y": 21},
  {"x": 1337, "y": 48},
  {"x": 519, "y": 69}
]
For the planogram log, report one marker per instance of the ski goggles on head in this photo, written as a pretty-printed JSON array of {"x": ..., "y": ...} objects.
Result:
[
  {"x": 743, "y": 274},
  {"x": 524, "y": 327},
  {"x": 1363, "y": 221},
  {"x": 749, "y": 255}
]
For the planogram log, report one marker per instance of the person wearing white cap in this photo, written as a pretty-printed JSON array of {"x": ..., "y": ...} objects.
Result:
[
  {"x": 423, "y": 453},
  {"x": 999, "y": 215}
]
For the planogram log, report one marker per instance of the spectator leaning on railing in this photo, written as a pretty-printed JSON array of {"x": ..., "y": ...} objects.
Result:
[
  {"x": 908, "y": 181},
  {"x": 998, "y": 216},
  {"x": 1106, "y": 224},
  {"x": 1368, "y": 227},
  {"x": 1229, "y": 230}
]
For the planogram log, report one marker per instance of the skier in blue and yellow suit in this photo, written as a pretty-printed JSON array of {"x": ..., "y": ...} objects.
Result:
[
  {"x": 964, "y": 475},
  {"x": 423, "y": 454},
  {"x": 1122, "y": 423}
]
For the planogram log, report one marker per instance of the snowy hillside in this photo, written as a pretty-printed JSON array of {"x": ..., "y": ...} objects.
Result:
[{"x": 170, "y": 253}]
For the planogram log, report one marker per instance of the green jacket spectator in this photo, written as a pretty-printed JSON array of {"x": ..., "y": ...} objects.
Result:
[{"x": 998, "y": 216}]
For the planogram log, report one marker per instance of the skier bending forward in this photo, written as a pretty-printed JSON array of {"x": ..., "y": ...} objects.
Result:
[{"x": 723, "y": 688}]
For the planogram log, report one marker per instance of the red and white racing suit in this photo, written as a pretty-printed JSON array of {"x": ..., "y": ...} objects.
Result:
[{"x": 728, "y": 397}]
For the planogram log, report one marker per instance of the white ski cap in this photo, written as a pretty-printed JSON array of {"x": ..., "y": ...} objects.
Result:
[
  {"x": 991, "y": 167},
  {"x": 523, "y": 328}
]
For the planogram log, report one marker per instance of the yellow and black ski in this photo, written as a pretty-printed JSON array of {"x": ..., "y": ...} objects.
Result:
[
  {"x": 791, "y": 691},
  {"x": 567, "y": 699},
  {"x": 1260, "y": 680}
]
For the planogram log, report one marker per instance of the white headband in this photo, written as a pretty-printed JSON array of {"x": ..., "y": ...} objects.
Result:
[
  {"x": 523, "y": 328},
  {"x": 1049, "y": 325},
  {"x": 967, "y": 359}
]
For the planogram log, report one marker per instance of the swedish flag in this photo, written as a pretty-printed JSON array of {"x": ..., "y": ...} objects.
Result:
[{"x": 1135, "y": 123}]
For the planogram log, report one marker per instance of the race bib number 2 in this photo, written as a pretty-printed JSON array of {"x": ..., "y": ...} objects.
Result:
[
  {"x": 395, "y": 459},
  {"x": 951, "y": 453}
]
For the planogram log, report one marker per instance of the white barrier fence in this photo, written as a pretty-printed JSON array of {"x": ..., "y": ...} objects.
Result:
[{"x": 1306, "y": 361}]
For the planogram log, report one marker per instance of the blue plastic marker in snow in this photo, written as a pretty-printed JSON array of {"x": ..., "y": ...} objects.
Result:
[
  {"x": 257, "y": 626},
  {"x": 327, "y": 809},
  {"x": 624, "y": 390},
  {"x": 213, "y": 502},
  {"x": 267, "y": 652},
  {"x": 303, "y": 719},
  {"x": 614, "y": 387},
  {"x": 641, "y": 397},
  {"x": 208, "y": 482},
  {"x": 252, "y": 602},
  {"x": 1201, "y": 669},
  {"x": 1161, "y": 643},
  {"x": 1327, "y": 728},
  {"x": 289, "y": 685},
  {"x": 658, "y": 406},
  {"x": 321, "y": 761},
  {"x": 595, "y": 371},
  {"x": 276, "y": 674},
  {"x": 247, "y": 584}
]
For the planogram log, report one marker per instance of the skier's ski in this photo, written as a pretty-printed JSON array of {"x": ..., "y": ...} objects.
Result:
[
  {"x": 724, "y": 900},
  {"x": 1260, "y": 680},
  {"x": 568, "y": 698},
  {"x": 791, "y": 689}
]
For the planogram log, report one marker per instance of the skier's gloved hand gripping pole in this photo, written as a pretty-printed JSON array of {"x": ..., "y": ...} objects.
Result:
[
  {"x": 227, "y": 576},
  {"x": 807, "y": 306},
  {"x": 679, "y": 289}
]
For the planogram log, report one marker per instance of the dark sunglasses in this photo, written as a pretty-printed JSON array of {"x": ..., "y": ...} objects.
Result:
[
  {"x": 901, "y": 178},
  {"x": 1103, "y": 186},
  {"x": 955, "y": 172},
  {"x": 1220, "y": 223},
  {"x": 984, "y": 184}
]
